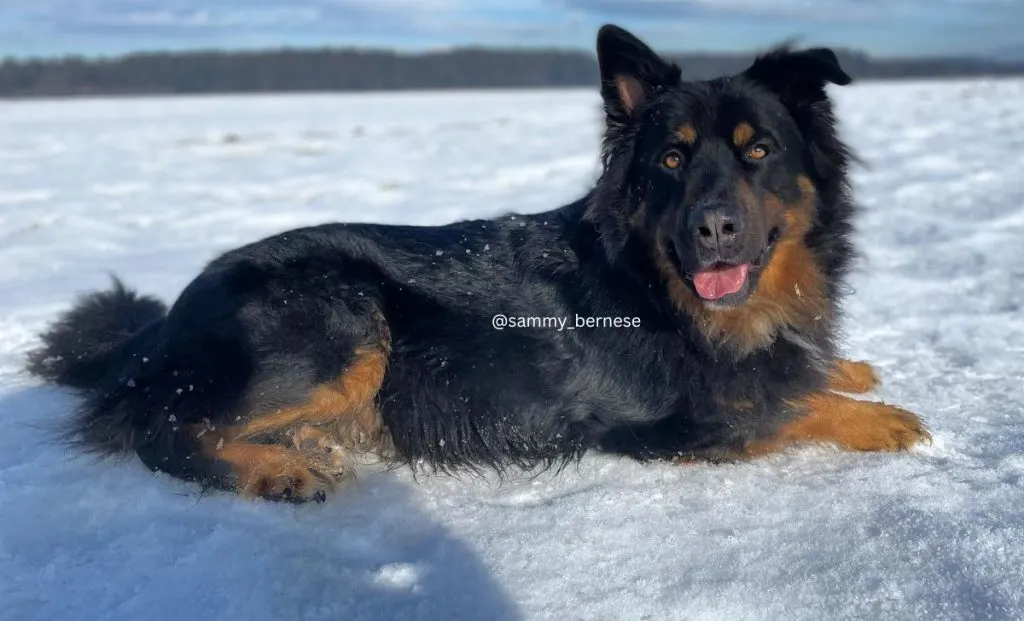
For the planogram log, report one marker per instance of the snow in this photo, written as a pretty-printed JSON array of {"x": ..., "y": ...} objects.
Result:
[{"x": 153, "y": 188}]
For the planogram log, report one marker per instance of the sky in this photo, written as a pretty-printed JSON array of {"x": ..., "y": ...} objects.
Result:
[{"x": 880, "y": 27}]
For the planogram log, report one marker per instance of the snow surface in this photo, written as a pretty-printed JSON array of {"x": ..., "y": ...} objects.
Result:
[{"x": 153, "y": 188}]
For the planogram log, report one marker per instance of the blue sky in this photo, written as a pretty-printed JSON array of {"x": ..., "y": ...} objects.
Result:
[{"x": 882, "y": 27}]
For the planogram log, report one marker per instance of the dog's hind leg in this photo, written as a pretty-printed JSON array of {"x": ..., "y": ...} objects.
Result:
[
  {"x": 345, "y": 403},
  {"x": 296, "y": 453},
  {"x": 852, "y": 377},
  {"x": 274, "y": 471}
]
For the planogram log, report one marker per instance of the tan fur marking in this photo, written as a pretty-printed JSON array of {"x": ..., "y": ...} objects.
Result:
[
  {"x": 847, "y": 423},
  {"x": 348, "y": 401},
  {"x": 308, "y": 437},
  {"x": 687, "y": 134},
  {"x": 631, "y": 93},
  {"x": 314, "y": 464},
  {"x": 742, "y": 134},
  {"x": 268, "y": 470},
  {"x": 852, "y": 377}
]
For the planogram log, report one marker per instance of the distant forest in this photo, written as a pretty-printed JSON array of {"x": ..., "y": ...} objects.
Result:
[{"x": 291, "y": 70}]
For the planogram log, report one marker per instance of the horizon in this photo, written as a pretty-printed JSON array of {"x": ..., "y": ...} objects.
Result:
[
  {"x": 890, "y": 29},
  {"x": 452, "y": 49}
]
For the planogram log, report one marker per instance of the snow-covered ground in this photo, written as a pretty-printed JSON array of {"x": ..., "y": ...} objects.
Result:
[{"x": 151, "y": 189}]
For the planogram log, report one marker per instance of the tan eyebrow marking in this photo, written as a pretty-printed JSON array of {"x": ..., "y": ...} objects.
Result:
[
  {"x": 742, "y": 134},
  {"x": 687, "y": 134}
]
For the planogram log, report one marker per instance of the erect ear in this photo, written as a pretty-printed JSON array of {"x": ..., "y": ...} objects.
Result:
[
  {"x": 630, "y": 71},
  {"x": 798, "y": 76}
]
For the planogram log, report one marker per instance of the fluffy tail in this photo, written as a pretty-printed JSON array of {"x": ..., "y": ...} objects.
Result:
[{"x": 90, "y": 348}]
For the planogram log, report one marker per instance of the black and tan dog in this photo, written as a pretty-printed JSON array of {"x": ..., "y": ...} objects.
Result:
[{"x": 719, "y": 233}]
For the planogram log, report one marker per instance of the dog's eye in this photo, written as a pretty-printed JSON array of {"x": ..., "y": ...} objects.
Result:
[
  {"x": 757, "y": 152},
  {"x": 672, "y": 160}
]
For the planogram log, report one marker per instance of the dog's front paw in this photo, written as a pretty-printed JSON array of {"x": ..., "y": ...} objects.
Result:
[{"x": 885, "y": 427}]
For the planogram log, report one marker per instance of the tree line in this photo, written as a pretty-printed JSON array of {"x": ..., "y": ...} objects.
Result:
[{"x": 294, "y": 70}]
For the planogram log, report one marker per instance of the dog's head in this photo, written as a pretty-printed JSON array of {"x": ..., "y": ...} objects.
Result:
[{"x": 718, "y": 178}]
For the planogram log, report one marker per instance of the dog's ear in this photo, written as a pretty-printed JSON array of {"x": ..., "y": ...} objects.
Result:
[
  {"x": 630, "y": 72},
  {"x": 798, "y": 76}
]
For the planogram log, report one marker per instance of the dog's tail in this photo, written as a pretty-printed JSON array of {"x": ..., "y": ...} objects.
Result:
[{"x": 92, "y": 348}]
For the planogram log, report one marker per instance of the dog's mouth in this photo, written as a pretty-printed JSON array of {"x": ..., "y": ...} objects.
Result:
[
  {"x": 720, "y": 280},
  {"x": 729, "y": 284}
]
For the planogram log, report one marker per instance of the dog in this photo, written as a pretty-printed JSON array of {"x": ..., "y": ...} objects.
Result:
[{"x": 701, "y": 275}]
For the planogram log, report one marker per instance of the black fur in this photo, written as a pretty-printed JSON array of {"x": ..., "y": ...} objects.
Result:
[{"x": 263, "y": 325}]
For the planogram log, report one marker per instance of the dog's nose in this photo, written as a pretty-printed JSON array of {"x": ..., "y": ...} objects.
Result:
[{"x": 715, "y": 227}]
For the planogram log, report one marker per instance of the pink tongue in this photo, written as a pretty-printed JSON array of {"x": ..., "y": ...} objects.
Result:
[{"x": 717, "y": 283}]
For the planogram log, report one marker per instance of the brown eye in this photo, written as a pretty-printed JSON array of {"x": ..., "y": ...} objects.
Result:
[
  {"x": 757, "y": 152},
  {"x": 672, "y": 160}
]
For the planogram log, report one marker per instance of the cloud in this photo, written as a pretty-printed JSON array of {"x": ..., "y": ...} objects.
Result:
[
  {"x": 837, "y": 11},
  {"x": 120, "y": 24},
  {"x": 189, "y": 15},
  {"x": 812, "y": 10},
  {"x": 736, "y": 23}
]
